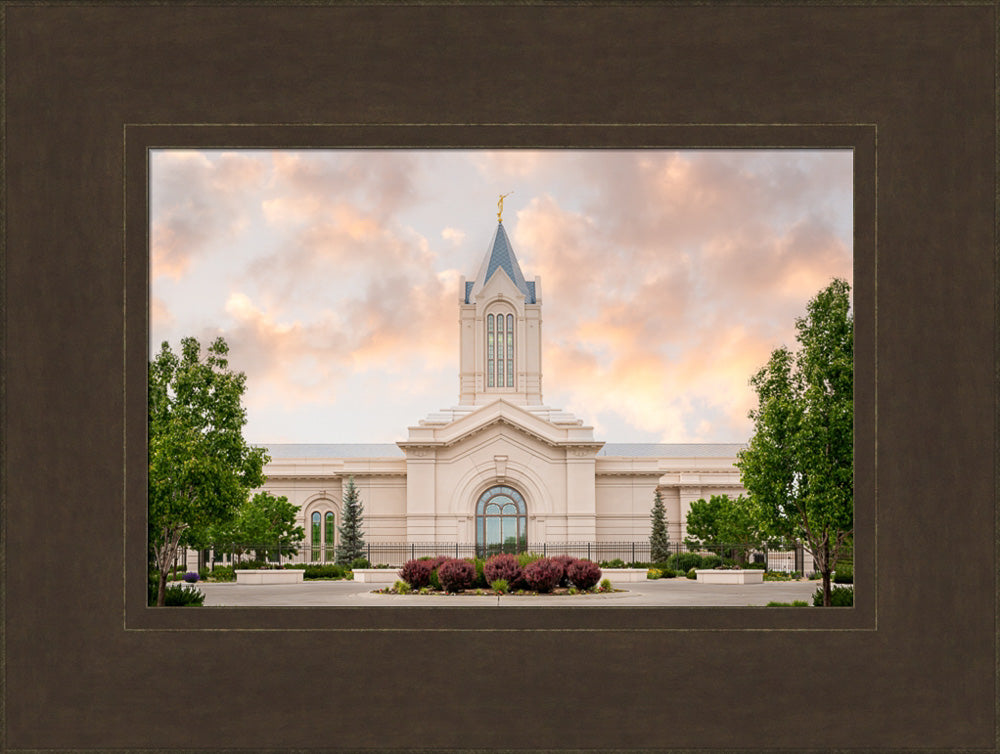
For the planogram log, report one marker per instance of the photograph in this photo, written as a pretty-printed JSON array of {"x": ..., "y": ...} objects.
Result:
[{"x": 437, "y": 370}]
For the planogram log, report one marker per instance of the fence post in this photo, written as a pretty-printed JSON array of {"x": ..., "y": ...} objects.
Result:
[
  {"x": 413, "y": 550},
  {"x": 633, "y": 551},
  {"x": 588, "y": 550}
]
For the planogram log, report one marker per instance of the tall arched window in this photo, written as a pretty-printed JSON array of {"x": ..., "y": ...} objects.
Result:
[
  {"x": 316, "y": 536},
  {"x": 329, "y": 536},
  {"x": 489, "y": 350},
  {"x": 322, "y": 536},
  {"x": 500, "y": 350},
  {"x": 501, "y": 521}
]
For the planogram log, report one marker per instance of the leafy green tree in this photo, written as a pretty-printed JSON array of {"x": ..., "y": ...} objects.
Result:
[
  {"x": 264, "y": 523},
  {"x": 659, "y": 538},
  {"x": 200, "y": 467},
  {"x": 799, "y": 465},
  {"x": 352, "y": 542},
  {"x": 723, "y": 525}
]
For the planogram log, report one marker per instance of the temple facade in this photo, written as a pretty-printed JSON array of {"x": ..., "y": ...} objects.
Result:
[{"x": 500, "y": 466}]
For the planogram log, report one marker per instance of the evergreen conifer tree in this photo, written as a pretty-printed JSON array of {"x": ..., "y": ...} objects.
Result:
[
  {"x": 352, "y": 542},
  {"x": 659, "y": 539}
]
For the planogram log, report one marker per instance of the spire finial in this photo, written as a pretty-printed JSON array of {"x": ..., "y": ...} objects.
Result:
[{"x": 500, "y": 206}]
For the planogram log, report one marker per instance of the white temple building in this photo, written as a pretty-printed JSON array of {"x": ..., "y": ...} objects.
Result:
[{"x": 500, "y": 464}]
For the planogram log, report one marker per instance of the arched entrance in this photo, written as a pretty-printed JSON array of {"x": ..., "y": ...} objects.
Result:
[{"x": 501, "y": 522}]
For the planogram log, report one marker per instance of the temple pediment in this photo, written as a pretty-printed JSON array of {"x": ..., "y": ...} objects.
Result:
[{"x": 565, "y": 431}]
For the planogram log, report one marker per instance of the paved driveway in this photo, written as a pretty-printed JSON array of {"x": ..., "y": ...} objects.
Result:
[{"x": 661, "y": 593}]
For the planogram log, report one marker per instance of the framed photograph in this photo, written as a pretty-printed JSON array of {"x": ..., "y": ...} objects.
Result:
[{"x": 99, "y": 99}]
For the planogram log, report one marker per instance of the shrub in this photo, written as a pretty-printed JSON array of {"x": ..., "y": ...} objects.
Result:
[
  {"x": 223, "y": 573},
  {"x": 179, "y": 595},
  {"x": 416, "y": 573},
  {"x": 584, "y": 574},
  {"x": 843, "y": 575},
  {"x": 543, "y": 574},
  {"x": 324, "y": 571},
  {"x": 401, "y": 587},
  {"x": 605, "y": 586},
  {"x": 711, "y": 561},
  {"x": 360, "y": 563},
  {"x": 190, "y": 577},
  {"x": 480, "y": 580},
  {"x": 503, "y": 567},
  {"x": 565, "y": 561},
  {"x": 456, "y": 574},
  {"x": 527, "y": 557},
  {"x": 500, "y": 585},
  {"x": 684, "y": 561},
  {"x": 616, "y": 563},
  {"x": 840, "y": 596},
  {"x": 692, "y": 574},
  {"x": 668, "y": 573},
  {"x": 654, "y": 573},
  {"x": 796, "y": 603}
]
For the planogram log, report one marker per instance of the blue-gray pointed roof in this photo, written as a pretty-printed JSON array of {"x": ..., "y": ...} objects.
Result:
[{"x": 501, "y": 256}]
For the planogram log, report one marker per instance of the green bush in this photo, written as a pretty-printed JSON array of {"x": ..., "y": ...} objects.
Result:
[
  {"x": 691, "y": 574},
  {"x": 500, "y": 585},
  {"x": 684, "y": 561},
  {"x": 844, "y": 574},
  {"x": 179, "y": 595},
  {"x": 401, "y": 587},
  {"x": 360, "y": 563},
  {"x": 605, "y": 586},
  {"x": 668, "y": 573},
  {"x": 654, "y": 573},
  {"x": 480, "y": 580},
  {"x": 796, "y": 603},
  {"x": 711, "y": 561},
  {"x": 840, "y": 596},
  {"x": 324, "y": 571},
  {"x": 757, "y": 566},
  {"x": 616, "y": 563},
  {"x": 222, "y": 573}
]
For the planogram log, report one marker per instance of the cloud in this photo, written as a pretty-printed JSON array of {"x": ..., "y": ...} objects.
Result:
[
  {"x": 197, "y": 201},
  {"x": 453, "y": 235},
  {"x": 160, "y": 316},
  {"x": 668, "y": 287}
]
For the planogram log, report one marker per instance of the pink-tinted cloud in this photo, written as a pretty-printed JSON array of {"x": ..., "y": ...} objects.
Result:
[{"x": 196, "y": 202}]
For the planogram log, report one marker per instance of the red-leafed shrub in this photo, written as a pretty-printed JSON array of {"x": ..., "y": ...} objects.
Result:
[
  {"x": 565, "y": 561},
  {"x": 503, "y": 567},
  {"x": 584, "y": 574},
  {"x": 543, "y": 575},
  {"x": 416, "y": 573},
  {"x": 456, "y": 574}
]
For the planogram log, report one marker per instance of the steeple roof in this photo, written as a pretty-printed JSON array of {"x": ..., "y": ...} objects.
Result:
[{"x": 500, "y": 255}]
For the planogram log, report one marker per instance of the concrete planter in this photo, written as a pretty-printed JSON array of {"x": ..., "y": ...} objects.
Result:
[
  {"x": 617, "y": 575},
  {"x": 376, "y": 575},
  {"x": 722, "y": 576},
  {"x": 256, "y": 576}
]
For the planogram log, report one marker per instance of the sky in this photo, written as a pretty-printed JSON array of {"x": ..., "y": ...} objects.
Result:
[{"x": 667, "y": 277}]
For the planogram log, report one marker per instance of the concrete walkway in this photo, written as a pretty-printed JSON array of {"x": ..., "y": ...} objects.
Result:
[{"x": 660, "y": 593}]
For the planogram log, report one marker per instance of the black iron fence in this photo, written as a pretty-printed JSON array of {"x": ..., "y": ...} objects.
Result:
[{"x": 394, "y": 554}]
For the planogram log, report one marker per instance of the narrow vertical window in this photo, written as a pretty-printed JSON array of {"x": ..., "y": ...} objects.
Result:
[
  {"x": 500, "y": 350},
  {"x": 489, "y": 350},
  {"x": 329, "y": 536},
  {"x": 316, "y": 537},
  {"x": 510, "y": 350}
]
